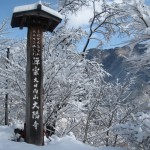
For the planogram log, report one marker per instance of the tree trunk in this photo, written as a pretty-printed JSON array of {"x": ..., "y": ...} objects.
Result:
[{"x": 6, "y": 96}]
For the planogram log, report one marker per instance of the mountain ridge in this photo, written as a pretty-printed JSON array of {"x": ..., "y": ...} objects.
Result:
[{"x": 115, "y": 62}]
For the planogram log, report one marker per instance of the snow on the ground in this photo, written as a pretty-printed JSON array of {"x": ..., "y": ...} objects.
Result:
[{"x": 65, "y": 143}]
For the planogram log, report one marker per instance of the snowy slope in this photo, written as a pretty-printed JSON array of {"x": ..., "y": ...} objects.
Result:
[{"x": 65, "y": 143}]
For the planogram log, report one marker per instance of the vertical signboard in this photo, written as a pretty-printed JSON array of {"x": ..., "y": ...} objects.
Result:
[{"x": 34, "y": 106}]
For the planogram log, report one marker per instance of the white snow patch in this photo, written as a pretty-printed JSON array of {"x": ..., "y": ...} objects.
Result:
[
  {"x": 65, "y": 143},
  {"x": 34, "y": 7}
]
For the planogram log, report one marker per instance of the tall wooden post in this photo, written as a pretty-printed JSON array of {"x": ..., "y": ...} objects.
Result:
[
  {"x": 38, "y": 18},
  {"x": 34, "y": 86},
  {"x": 6, "y": 96}
]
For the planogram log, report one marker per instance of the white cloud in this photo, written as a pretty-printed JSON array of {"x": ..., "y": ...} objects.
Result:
[
  {"x": 118, "y": 1},
  {"x": 81, "y": 18}
]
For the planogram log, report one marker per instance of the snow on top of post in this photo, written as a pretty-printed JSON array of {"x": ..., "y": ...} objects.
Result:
[
  {"x": 35, "y": 7},
  {"x": 51, "y": 11}
]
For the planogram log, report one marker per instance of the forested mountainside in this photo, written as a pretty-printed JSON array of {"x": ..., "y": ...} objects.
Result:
[{"x": 116, "y": 62}]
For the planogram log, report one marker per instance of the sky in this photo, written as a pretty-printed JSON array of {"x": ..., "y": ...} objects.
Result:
[{"x": 6, "y": 10}]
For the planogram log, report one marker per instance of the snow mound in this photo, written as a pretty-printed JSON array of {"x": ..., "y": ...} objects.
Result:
[{"x": 67, "y": 142}]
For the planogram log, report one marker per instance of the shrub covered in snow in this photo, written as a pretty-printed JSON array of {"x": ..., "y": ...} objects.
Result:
[{"x": 136, "y": 131}]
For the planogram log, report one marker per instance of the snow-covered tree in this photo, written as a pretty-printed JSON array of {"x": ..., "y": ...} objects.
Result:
[
  {"x": 137, "y": 23},
  {"x": 107, "y": 104},
  {"x": 136, "y": 131},
  {"x": 76, "y": 96},
  {"x": 3, "y": 32},
  {"x": 103, "y": 23},
  {"x": 134, "y": 18},
  {"x": 65, "y": 76},
  {"x": 12, "y": 77}
]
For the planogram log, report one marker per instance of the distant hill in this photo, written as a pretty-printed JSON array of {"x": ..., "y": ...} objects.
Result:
[{"x": 115, "y": 62}]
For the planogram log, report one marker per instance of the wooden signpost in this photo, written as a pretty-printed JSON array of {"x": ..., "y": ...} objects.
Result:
[{"x": 38, "y": 19}]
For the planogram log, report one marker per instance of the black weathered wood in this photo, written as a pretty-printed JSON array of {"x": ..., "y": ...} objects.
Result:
[
  {"x": 39, "y": 21},
  {"x": 6, "y": 109},
  {"x": 22, "y": 19},
  {"x": 6, "y": 96},
  {"x": 34, "y": 136}
]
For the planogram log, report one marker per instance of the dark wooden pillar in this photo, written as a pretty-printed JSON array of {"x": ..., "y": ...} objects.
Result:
[
  {"x": 6, "y": 96},
  {"x": 38, "y": 19},
  {"x": 34, "y": 85}
]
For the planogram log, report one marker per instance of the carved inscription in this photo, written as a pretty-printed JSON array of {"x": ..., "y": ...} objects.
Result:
[{"x": 36, "y": 48}]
